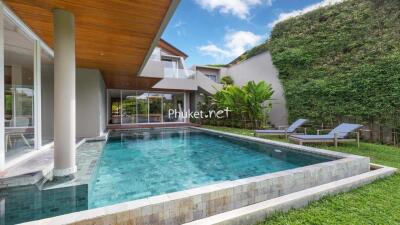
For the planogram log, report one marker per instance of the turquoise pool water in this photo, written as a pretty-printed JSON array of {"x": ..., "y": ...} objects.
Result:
[
  {"x": 139, "y": 164},
  {"x": 136, "y": 165}
]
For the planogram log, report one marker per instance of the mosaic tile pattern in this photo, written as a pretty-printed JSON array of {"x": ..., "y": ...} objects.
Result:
[
  {"x": 58, "y": 197},
  {"x": 26, "y": 203},
  {"x": 140, "y": 164},
  {"x": 87, "y": 156}
]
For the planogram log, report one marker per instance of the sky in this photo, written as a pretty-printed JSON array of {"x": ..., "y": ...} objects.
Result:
[{"x": 218, "y": 31}]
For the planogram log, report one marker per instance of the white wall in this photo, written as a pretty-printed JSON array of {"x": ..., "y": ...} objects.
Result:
[
  {"x": 260, "y": 68},
  {"x": 90, "y": 103}
]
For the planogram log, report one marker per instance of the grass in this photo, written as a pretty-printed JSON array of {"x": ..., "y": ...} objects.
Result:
[{"x": 376, "y": 203}]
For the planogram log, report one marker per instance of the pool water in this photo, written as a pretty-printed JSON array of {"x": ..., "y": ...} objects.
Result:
[
  {"x": 139, "y": 164},
  {"x": 136, "y": 165}
]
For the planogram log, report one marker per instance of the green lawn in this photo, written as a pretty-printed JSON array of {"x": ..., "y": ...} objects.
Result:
[{"x": 376, "y": 203}]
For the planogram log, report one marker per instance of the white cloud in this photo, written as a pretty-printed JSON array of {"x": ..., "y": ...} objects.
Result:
[
  {"x": 239, "y": 8},
  {"x": 179, "y": 26},
  {"x": 213, "y": 51},
  {"x": 236, "y": 42},
  {"x": 287, "y": 15}
]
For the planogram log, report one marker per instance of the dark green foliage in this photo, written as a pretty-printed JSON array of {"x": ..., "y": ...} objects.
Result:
[
  {"x": 341, "y": 62},
  {"x": 253, "y": 52},
  {"x": 217, "y": 65},
  {"x": 246, "y": 104},
  {"x": 227, "y": 80}
]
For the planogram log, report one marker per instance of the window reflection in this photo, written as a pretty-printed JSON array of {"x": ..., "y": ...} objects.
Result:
[
  {"x": 155, "y": 108},
  {"x": 128, "y": 107},
  {"x": 18, "y": 90},
  {"x": 142, "y": 107},
  {"x": 132, "y": 107}
]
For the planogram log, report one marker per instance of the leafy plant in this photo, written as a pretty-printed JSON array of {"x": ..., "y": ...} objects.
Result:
[
  {"x": 341, "y": 63},
  {"x": 245, "y": 103},
  {"x": 255, "y": 96},
  {"x": 227, "y": 80}
]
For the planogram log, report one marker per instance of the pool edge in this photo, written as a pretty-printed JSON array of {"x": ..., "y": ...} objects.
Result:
[{"x": 146, "y": 208}]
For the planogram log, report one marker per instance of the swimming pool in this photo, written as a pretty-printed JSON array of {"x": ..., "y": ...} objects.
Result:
[
  {"x": 140, "y": 164},
  {"x": 204, "y": 171}
]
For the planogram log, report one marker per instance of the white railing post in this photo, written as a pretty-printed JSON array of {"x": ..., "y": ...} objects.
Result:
[
  {"x": 2, "y": 112},
  {"x": 37, "y": 117}
]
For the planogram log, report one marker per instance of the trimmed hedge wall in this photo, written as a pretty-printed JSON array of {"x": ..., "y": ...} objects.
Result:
[{"x": 341, "y": 63}]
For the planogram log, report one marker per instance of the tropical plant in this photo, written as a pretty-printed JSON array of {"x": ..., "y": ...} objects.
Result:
[
  {"x": 227, "y": 80},
  {"x": 245, "y": 103},
  {"x": 255, "y": 97}
]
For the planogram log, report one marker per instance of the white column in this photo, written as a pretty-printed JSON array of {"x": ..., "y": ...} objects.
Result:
[
  {"x": 64, "y": 93},
  {"x": 186, "y": 106},
  {"x": 2, "y": 112}
]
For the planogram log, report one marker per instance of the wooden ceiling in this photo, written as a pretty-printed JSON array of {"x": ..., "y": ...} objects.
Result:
[{"x": 111, "y": 35}]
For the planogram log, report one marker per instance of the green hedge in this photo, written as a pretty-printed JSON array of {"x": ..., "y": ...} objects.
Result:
[{"x": 341, "y": 62}]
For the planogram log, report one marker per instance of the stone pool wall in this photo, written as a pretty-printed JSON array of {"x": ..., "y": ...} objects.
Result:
[{"x": 185, "y": 206}]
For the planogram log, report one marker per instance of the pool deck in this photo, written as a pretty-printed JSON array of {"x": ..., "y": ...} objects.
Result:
[{"x": 40, "y": 167}]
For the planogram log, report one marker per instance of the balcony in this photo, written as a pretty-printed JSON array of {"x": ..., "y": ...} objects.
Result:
[
  {"x": 179, "y": 73},
  {"x": 156, "y": 69}
]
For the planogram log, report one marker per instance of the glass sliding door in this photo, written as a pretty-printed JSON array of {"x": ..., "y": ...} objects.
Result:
[
  {"x": 114, "y": 111},
  {"x": 142, "y": 107},
  {"x": 173, "y": 102},
  {"x": 155, "y": 108},
  {"x": 18, "y": 90},
  {"x": 128, "y": 107},
  {"x": 134, "y": 107}
]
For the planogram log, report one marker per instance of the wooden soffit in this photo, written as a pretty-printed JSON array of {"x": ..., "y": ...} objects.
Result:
[{"x": 111, "y": 35}]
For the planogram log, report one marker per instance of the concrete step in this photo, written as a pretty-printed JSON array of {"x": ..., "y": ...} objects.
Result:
[{"x": 28, "y": 172}]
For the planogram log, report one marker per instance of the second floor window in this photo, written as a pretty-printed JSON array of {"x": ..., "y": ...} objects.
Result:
[
  {"x": 170, "y": 63},
  {"x": 212, "y": 77}
]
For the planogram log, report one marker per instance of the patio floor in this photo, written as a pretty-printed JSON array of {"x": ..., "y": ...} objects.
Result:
[{"x": 33, "y": 170}]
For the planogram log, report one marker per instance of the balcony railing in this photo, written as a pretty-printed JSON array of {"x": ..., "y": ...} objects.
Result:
[{"x": 178, "y": 73}]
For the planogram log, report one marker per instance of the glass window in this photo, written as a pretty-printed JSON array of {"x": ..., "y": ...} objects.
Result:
[
  {"x": 114, "y": 99},
  {"x": 155, "y": 108},
  {"x": 128, "y": 107},
  {"x": 173, "y": 103},
  {"x": 142, "y": 107},
  {"x": 170, "y": 63},
  {"x": 18, "y": 91},
  {"x": 212, "y": 77}
]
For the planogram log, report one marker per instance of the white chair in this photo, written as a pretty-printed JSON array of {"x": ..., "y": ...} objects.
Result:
[{"x": 18, "y": 128}]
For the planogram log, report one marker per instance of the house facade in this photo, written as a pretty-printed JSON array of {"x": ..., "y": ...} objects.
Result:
[
  {"x": 70, "y": 69},
  {"x": 69, "y": 72},
  {"x": 258, "y": 68}
]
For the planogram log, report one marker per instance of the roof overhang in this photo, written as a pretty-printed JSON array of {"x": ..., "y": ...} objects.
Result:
[
  {"x": 116, "y": 37},
  {"x": 170, "y": 48}
]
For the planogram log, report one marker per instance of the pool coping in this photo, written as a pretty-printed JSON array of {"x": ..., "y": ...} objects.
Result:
[
  {"x": 125, "y": 211},
  {"x": 256, "y": 213},
  {"x": 313, "y": 150}
]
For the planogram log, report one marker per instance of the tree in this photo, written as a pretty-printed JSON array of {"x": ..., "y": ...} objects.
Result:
[{"x": 227, "y": 80}]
